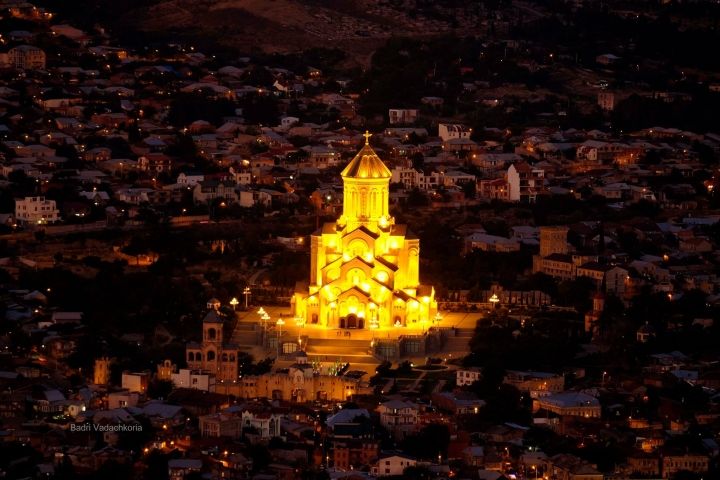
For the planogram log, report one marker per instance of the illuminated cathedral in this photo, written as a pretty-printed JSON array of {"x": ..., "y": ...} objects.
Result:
[{"x": 364, "y": 269}]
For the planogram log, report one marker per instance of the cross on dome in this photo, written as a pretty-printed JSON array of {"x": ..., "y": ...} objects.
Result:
[{"x": 367, "y": 136}]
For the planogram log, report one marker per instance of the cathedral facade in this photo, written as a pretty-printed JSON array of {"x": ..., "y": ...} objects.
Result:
[{"x": 364, "y": 268}]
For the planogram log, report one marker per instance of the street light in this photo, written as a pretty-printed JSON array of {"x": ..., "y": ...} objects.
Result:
[
  {"x": 234, "y": 303},
  {"x": 246, "y": 292},
  {"x": 300, "y": 322},
  {"x": 264, "y": 317},
  {"x": 438, "y": 318},
  {"x": 279, "y": 323},
  {"x": 494, "y": 300}
]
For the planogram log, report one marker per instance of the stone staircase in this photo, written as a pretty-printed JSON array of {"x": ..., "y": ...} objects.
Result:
[
  {"x": 458, "y": 344},
  {"x": 354, "y": 352}
]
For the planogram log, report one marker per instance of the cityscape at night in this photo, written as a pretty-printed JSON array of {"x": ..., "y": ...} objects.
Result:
[{"x": 359, "y": 239}]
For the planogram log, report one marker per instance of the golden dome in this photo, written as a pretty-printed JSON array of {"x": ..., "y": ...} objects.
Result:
[{"x": 366, "y": 164}]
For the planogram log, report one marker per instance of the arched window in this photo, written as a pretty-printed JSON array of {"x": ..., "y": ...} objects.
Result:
[
  {"x": 210, "y": 355},
  {"x": 357, "y": 247},
  {"x": 191, "y": 357},
  {"x": 198, "y": 357},
  {"x": 211, "y": 334},
  {"x": 356, "y": 276},
  {"x": 224, "y": 357}
]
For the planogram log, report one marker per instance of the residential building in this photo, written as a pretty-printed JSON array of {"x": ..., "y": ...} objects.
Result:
[
  {"x": 576, "y": 404},
  {"x": 538, "y": 384},
  {"x": 354, "y": 453},
  {"x": 197, "y": 379},
  {"x": 264, "y": 422},
  {"x": 606, "y": 101},
  {"x": 399, "y": 417},
  {"x": 220, "y": 424},
  {"x": 36, "y": 211},
  {"x": 179, "y": 468},
  {"x": 392, "y": 465},
  {"x": 569, "y": 467},
  {"x": 691, "y": 462},
  {"x": 206, "y": 191},
  {"x": 135, "y": 382},
  {"x": 122, "y": 399},
  {"x": 452, "y": 131},
  {"x": 524, "y": 182},
  {"x": 467, "y": 376},
  {"x": 402, "y": 116},
  {"x": 250, "y": 198},
  {"x": 27, "y": 57}
]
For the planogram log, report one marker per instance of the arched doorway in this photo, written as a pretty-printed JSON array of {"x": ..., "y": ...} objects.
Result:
[{"x": 351, "y": 321}]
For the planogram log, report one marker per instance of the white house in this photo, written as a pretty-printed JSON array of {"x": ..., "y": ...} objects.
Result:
[
  {"x": 524, "y": 182},
  {"x": 195, "y": 379},
  {"x": 36, "y": 210},
  {"x": 467, "y": 376},
  {"x": 249, "y": 198},
  {"x": 399, "y": 417},
  {"x": 409, "y": 177},
  {"x": 451, "y": 131},
  {"x": 135, "y": 382},
  {"x": 209, "y": 190},
  {"x": 267, "y": 423},
  {"x": 190, "y": 179},
  {"x": 402, "y": 115},
  {"x": 122, "y": 399},
  {"x": 241, "y": 177},
  {"x": 393, "y": 465}
]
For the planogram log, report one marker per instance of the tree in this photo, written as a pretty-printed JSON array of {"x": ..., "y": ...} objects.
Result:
[
  {"x": 416, "y": 472},
  {"x": 416, "y": 198},
  {"x": 469, "y": 189},
  {"x": 418, "y": 161},
  {"x": 160, "y": 388},
  {"x": 113, "y": 470},
  {"x": 431, "y": 441}
]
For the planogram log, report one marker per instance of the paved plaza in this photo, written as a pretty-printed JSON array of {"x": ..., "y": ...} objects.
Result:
[{"x": 332, "y": 346}]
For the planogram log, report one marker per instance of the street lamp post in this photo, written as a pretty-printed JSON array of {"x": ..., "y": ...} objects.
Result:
[
  {"x": 494, "y": 300},
  {"x": 246, "y": 292},
  {"x": 234, "y": 302},
  {"x": 300, "y": 322},
  {"x": 279, "y": 324},
  {"x": 264, "y": 317}
]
